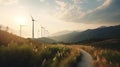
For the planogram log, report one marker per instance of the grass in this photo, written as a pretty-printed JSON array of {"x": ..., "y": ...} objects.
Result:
[
  {"x": 113, "y": 44},
  {"x": 111, "y": 56},
  {"x": 16, "y": 55},
  {"x": 103, "y": 57},
  {"x": 20, "y": 52}
]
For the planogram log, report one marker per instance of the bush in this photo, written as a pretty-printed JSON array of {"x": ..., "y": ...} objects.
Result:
[
  {"x": 112, "y": 56},
  {"x": 21, "y": 56}
]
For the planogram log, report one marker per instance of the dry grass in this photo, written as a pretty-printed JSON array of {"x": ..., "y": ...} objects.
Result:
[
  {"x": 102, "y": 57},
  {"x": 38, "y": 55},
  {"x": 20, "y": 52}
]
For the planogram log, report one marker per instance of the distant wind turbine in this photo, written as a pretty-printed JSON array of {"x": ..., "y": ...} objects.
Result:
[
  {"x": 33, "y": 20},
  {"x": 38, "y": 33},
  {"x": 20, "y": 30},
  {"x": 46, "y": 33},
  {"x": 42, "y": 31}
]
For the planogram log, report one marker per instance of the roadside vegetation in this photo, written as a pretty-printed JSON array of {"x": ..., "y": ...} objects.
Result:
[
  {"x": 37, "y": 56},
  {"x": 103, "y": 57},
  {"x": 19, "y": 52}
]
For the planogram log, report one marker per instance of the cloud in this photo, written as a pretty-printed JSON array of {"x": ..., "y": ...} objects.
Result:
[
  {"x": 7, "y": 1},
  {"x": 42, "y": 0},
  {"x": 69, "y": 9},
  {"x": 104, "y": 5},
  {"x": 106, "y": 12},
  {"x": 62, "y": 5}
]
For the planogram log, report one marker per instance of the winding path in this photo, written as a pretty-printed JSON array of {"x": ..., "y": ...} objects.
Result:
[{"x": 86, "y": 60}]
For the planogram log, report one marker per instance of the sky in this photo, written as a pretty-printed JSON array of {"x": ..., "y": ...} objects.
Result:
[{"x": 58, "y": 15}]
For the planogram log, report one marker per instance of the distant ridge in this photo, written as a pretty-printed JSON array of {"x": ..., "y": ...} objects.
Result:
[
  {"x": 44, "y": 40},
  {"x": 111, "y": 32},
  {"x": 61, "y": 33}
]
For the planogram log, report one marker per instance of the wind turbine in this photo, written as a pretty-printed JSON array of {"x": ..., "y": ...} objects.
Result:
[
  {"x": 33, "y": 20},
  {"x": 20, "y": 29},
  {"x": 38, "y": 33},
  {"x": 42, "y": 30},
  {"x": 46, "y": 33}
]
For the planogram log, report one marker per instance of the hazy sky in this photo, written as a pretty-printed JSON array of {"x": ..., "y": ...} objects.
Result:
[{"x": 58, "y": 15}]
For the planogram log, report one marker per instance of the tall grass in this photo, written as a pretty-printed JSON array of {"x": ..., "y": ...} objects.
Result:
[
  {"x": 20, "y": 56},
  {"x": 16, "y": 51},
  {"x": 104, "y": 57},
  {"x": 16, "y": 55}
]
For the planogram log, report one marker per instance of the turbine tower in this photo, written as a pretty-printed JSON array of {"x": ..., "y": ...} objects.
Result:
[
  {"x": 38, "y": 33},
  {"x": 42, "y": 31},
  {"x": 20, "y": 30},
  {"x": 47, "y": 33},
  {"x": 33, "y": 20}
]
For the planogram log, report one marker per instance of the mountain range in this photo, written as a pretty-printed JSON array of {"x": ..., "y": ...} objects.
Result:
[
  {"x": 103, "y": 32},
  {"x": 111, "y": 32}
]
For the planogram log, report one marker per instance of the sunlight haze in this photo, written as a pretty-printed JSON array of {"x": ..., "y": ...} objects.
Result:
[{"x": 58, "y": 15}]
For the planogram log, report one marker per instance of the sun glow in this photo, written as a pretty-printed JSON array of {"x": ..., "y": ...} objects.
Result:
[{"x": 21, "y": 20}]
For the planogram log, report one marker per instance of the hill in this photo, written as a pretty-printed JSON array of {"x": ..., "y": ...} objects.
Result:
[
  {"x": 44, "y": 40},
  {"x": 61, "y": 33},
  {"x": 6, "y": 38},
  {"x": 113, "y": 44},
  {"x": 111, "y": 32},
  {"x": 20, "y": 52}
]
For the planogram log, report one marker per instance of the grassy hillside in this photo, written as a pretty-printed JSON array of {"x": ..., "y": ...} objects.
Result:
[
  {"x": 6, "y": 38},
  {"x": 113, "y": 44},
  {"x": 20, "y": 52}
]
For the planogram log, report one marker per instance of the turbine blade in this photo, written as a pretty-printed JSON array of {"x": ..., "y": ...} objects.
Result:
[{"x": 32, "y": 18}]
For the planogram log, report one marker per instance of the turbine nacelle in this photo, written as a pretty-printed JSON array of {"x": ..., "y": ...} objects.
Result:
[{"x": 32, "y": 18}]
